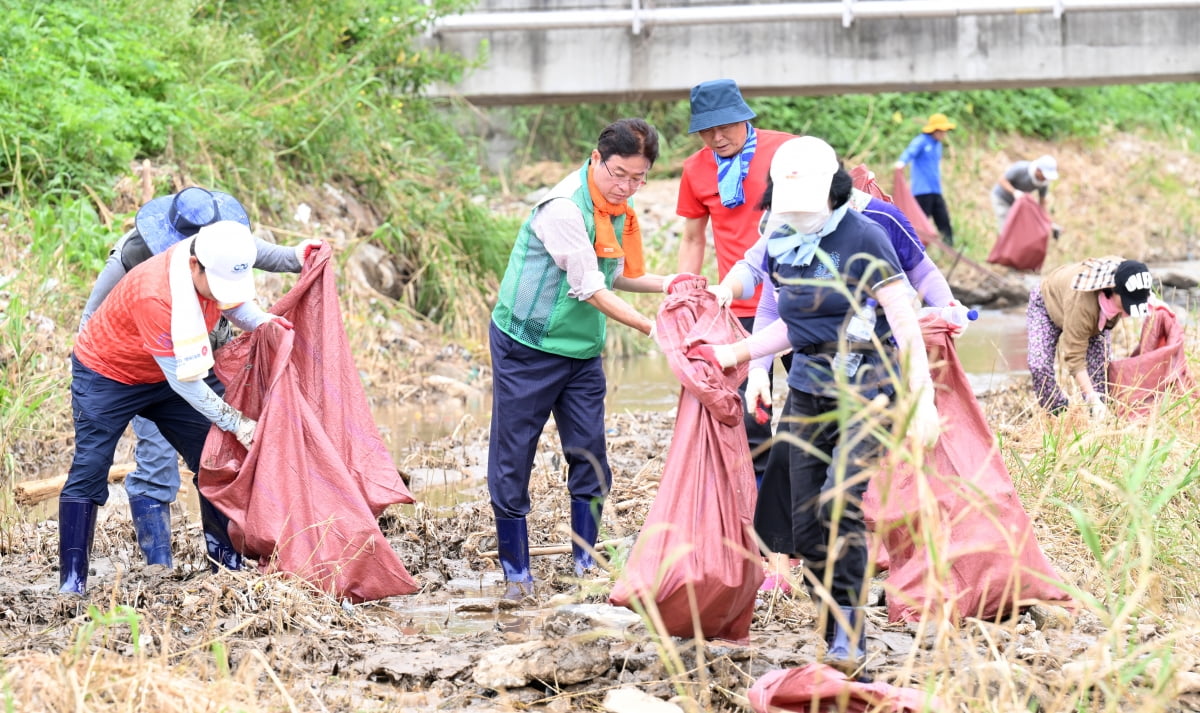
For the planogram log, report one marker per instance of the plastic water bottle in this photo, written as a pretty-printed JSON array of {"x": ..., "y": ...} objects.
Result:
[
  {"x": 861, "y": 329},
  {"x": 954, "y": 313}
]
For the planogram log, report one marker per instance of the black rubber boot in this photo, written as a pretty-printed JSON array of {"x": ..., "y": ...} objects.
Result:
[{"x": 221, "y": 552}]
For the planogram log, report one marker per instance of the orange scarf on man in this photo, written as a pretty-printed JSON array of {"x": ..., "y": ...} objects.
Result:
[{"x": 630, "y": 246}]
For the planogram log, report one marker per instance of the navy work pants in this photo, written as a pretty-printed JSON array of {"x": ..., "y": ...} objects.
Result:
[
  {"x": 528, "y": 385},
  {"x": 102, "y": 408},
  {"x": 811, "y": 498}
]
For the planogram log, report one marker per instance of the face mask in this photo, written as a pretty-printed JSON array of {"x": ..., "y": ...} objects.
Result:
[{"x": 807, "y": 223}]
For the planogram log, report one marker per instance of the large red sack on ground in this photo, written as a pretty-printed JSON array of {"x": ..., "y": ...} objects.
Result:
[
  {"x": 1025, "y": 236},
  {"x": 959, "y": 542},
  {"x": 819, "y": 688},
  {"x": 1156, "y": 368},
  {"x": 902, "y": 197},
  {"x": 696, "y": 563},
  {"x": 306, "y": 497},
  {"x": 864, "y": 180}
]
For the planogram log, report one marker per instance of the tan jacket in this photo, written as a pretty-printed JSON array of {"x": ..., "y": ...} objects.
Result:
[{"x": 1076, "y": 312}]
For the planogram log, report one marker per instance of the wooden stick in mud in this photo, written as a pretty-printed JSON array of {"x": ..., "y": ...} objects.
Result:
[
  {"x": 959, "y": 257},
  {"x": 552, "y": 549},
  {"x": 32, "y": 492}
]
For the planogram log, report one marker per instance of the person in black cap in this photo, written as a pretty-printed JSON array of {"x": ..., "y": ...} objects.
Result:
[
  {"x": 159, "y": 224},
  {"x": 1075, "y": 309}
]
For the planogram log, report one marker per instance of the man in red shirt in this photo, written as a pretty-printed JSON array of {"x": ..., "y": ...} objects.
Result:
[
  {"x": 722, "y": 184},
  {"x": 145, "y": 352}
]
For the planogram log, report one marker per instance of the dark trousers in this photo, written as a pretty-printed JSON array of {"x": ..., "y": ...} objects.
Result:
[
  {"x": 759, "y": 435},
  {"x": 934, "y": 206},
  {"x": 528, "y": 385},
  {"x": 102, "y": 408},
  {"x": 810, "y": 501}
]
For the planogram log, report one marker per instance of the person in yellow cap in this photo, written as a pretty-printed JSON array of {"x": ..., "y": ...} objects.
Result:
[{"x": 925, "y": 154}]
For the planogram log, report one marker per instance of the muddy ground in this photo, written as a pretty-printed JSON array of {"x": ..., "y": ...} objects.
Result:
[{"x": 189, "y": 640}]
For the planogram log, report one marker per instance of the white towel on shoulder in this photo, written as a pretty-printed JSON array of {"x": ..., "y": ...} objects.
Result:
[{"x": 193, "y": 354}]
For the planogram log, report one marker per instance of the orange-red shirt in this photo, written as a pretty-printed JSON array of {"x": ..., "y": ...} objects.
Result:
[
  {"x": 133, "y": 325},
  {"x": 735, "y": 230}
]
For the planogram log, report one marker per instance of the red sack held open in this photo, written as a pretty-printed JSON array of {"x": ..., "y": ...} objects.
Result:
[
  {"x": 1156, "y": 368},
  {"x": 306, "y": 497},
  {"x": 977, "y": 555},
  {"x": 1025, "y": 237},
  {"x": 696, "y": 555}
]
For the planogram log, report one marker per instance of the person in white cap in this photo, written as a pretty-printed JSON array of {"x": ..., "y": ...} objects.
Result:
[
  {"x": 154, "y": 482},
  {"x": 1023, "y": 177},
  {"x": 145, "y": 352},
  {"x": 828, "y": 264}
]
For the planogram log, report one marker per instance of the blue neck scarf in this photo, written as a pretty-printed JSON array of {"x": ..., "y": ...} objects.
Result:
[
  {"x": 731, "y": 172},
  {"x": 785, "y": 245}
]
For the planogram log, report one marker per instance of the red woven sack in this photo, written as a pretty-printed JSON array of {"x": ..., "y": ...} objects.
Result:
[
  {"x": 959, "y": 542},
  {"x": 864, "y": 180},
  {"x": 903, "y": 198},
  {"x": 1157, "y": 366},
  {"x": 1026, "y": 234},
  {"x": 695, "y": 569},
  {"x": 306, "y": 497},
  {"x": 817, "y": 688}
]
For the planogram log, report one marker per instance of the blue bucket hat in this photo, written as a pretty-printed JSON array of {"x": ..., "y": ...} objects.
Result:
[
  {"x": 717, "y": 103},
  {"x": 167, "y": 220}
]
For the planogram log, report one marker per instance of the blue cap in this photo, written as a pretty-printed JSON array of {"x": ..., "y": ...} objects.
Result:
[
  {"x": 717, "y": 103},
  {"x": 167, "y": 220}
]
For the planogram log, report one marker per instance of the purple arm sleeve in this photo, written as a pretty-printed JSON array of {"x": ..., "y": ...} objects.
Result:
[
  {"x": 929, "y": 282},
  {"x": 770, "y": 332}
]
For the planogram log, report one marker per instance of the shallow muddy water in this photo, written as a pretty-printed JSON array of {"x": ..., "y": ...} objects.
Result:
[{"x": 992, "y": 350}]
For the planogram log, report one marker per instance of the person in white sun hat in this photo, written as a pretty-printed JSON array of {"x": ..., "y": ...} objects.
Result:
[
  {"x": 1023, "y": 177},
  {"x": 154, "y": 482},
  {"x": 146, "y": 352}
]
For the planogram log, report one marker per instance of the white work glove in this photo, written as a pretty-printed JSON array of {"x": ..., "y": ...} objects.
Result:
[
  {"x": 926, "y": 423},
  {"x": 245, "y": 431},
  {"x": 306, "y": 247},
  {"x": 898, "y": 164},
  {"x": 758, "y": 388},
  {"x": 721, "y": 356},
  {"x": 1097, "y": 409},
  {"x": 723, "y": 294},
  {"x": 1017, "y": 193}
]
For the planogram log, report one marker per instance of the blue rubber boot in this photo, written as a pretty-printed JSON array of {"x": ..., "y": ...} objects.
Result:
[
  {"x": 221, "y": 552},
  {"x": 846, "y": 650},
  {"x": 76, "y": 525},
  {"x": 585, "y": 523},
  {"x": 152, "y": 522},
  {"x": 512, "y": 545}
]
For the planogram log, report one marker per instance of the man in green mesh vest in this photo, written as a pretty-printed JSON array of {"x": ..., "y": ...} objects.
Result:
[{"x": 580, "y": 243}]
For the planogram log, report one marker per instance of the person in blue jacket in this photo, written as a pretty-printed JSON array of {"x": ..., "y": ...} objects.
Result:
[{"x": 925, "y": 154}]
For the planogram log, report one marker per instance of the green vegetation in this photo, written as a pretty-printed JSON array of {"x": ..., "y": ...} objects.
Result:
[
  {"x": 875, "y": 128},
  {"x": 273, "y": 100},
  {"x": 260, "y": 100}
]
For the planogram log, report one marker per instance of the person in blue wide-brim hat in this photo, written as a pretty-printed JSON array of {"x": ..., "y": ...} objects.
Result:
[{"x": 167, "y": 220}]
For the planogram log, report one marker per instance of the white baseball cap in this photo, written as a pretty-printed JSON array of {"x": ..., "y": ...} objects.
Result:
[
  {"x": 801, "y": 173},
  {"x": 1048, "y": 166},
  {"x": 227, "y": 251}
]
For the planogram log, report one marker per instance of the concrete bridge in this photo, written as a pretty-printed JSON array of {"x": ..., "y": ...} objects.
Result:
[{"x": 546, "y": 51}]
